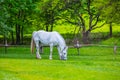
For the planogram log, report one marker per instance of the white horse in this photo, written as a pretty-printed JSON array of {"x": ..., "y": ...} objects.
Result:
[{"x": 51, "y": 39}]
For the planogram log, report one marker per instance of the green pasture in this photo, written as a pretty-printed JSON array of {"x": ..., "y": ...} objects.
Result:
[
  {"x": 63, "y": 29},
  {"x": 93, "y": 63}
]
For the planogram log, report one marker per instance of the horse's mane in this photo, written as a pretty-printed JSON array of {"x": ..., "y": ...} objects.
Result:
[{"x": 60, "y": 37}]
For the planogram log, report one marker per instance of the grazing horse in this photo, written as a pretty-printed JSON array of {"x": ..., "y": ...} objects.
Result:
[{"x": 51, "y": 39}]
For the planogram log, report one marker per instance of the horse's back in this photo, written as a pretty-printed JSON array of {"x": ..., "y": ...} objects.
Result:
[{"x": 46, "y": 34}]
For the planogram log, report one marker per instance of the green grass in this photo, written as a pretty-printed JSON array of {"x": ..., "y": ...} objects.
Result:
[
  {"x": 63, "y": 29},
  {"x": 93, "y": 63},
  {"x": 111, "y": 41},
  {"x": 67, "y": 28},
  {"x": 105, "y": 28}
]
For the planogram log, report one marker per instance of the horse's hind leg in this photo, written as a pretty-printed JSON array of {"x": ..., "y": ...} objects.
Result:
[
  {"x": 41, "y": 48},
  {"x": 51, "y": 49},
  {"x": 37, "y": 50}
]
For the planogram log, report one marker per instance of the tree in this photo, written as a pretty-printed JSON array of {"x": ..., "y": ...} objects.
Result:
[
  {"x": 50, "y": 13},
  {"x": 19, "y": 15},
  {"x": 82, "y": 13},
  {"x": 4, "y": 15},
  {"x": 111, "y": 13}
]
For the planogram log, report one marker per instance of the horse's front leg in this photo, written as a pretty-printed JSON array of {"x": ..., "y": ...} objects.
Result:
[
  {"x": 37, "y": 50},
  {"x": 51, "y": 49},
  {"x": 59, "y": 51}
]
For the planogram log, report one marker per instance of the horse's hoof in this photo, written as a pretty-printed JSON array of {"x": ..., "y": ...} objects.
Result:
[
  {"x": 50, "y": 58},
  {"x": 38, "y": 57}
]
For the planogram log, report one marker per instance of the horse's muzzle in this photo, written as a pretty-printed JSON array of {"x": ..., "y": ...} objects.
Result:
[{"x": 63, "y": 58}]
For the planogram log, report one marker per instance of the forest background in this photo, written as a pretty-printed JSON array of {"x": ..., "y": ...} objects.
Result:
[{"x": 89, "y": 21}]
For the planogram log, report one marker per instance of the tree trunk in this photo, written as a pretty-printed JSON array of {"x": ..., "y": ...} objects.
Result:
[
  {"x": 51, "y": 28},
  {"x": 47, "y": 27},
  {"x": 52, "y": 20},
  {"x": 22, "y": 35},
  {"x": 18, "y": 29},
  {"x": 17, "y": 34},
  {"x": 13, "y": 41},
  {"x": 110, "y": 29},
  {"x": 85, "y": 37}
]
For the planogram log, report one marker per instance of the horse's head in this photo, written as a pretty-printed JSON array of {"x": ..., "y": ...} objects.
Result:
[{"x": 63, "y": 55}]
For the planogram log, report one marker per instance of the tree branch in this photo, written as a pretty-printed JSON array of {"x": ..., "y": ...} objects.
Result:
[
  {"x": 88, "y": 6},
  {"x": 99, "y": 26},
  {"x": 97, "y": 19},
  {"x": 82, "y": 20},
  {"x": 68, "y": 20}
]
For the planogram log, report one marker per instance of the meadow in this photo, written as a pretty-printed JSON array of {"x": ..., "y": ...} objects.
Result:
[
  {"x": 67, "y": 28},
  {"x": 93, "y": 63}
]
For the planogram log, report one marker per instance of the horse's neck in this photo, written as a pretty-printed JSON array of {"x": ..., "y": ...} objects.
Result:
[{"x": 62, "y": 43}]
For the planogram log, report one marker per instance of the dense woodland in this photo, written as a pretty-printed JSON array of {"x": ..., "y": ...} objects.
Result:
[{"x": 20, "y": 17}]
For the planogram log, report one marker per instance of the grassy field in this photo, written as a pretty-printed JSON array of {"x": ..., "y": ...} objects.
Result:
[
  {"x": 70, "y": 28},
  {"x": 93, "y": 63}
]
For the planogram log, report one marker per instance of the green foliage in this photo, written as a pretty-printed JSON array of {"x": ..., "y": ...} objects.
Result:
[
  {"x": 4, "y": 15},
  {"x": 110, "y": 10},
  {"x": 111, "y": 41},
  {"x": 17, "y": 15},
  {"x": 4, "y": 30},
  {"x": 30, "y": 15}
]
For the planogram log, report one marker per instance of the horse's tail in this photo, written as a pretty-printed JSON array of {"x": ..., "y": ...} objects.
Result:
[{"x": 32, "y": 45}]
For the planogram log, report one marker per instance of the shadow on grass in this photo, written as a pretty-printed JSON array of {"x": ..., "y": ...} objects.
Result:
[
  {"x": 24, "y": 53},
  {"x": 18, "y": 55}
]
